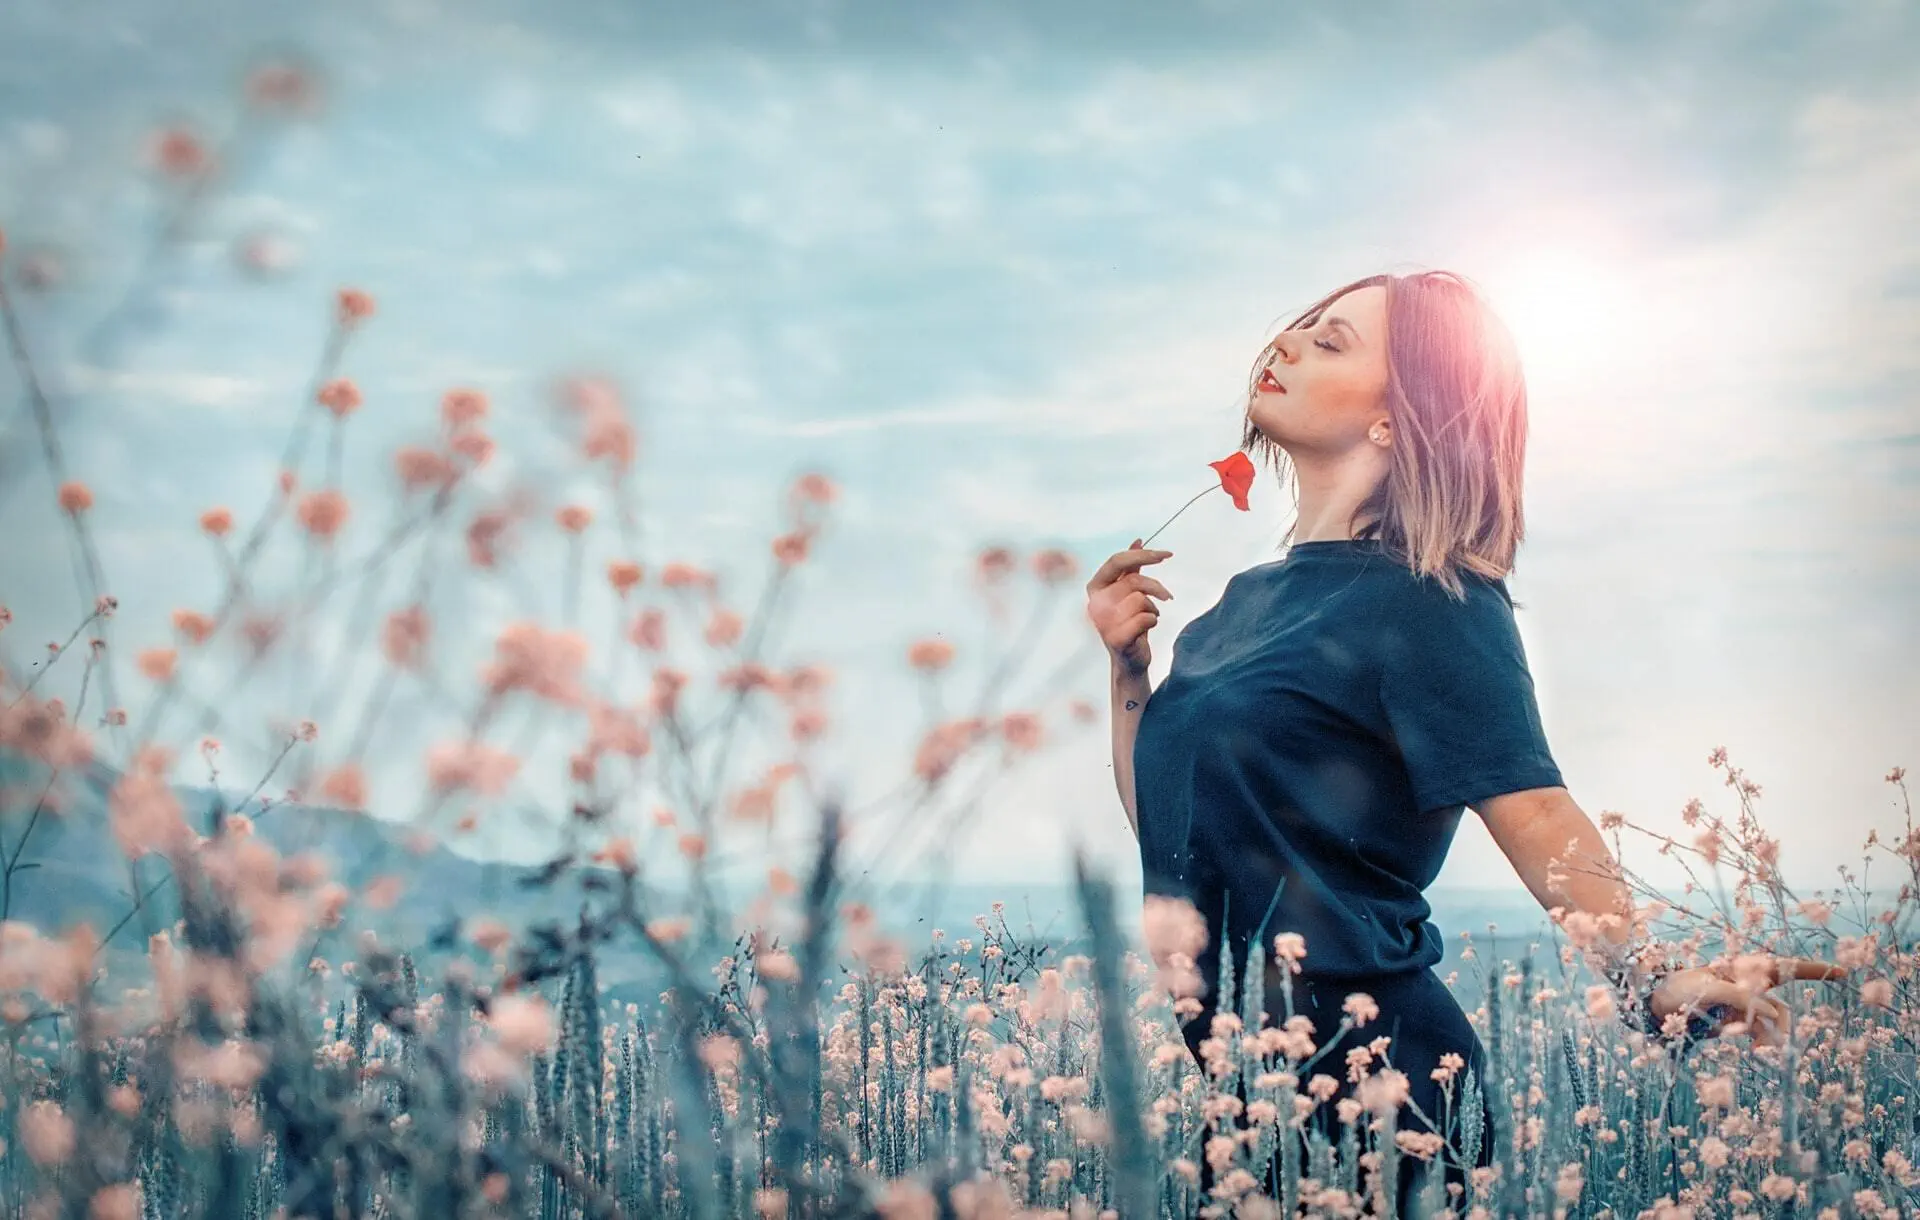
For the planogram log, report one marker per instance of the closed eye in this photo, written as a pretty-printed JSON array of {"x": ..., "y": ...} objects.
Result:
[{"x": 1323, "y": 343}]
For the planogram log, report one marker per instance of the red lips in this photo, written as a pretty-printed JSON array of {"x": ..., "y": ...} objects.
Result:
[{"x": 1269, "y": 384}]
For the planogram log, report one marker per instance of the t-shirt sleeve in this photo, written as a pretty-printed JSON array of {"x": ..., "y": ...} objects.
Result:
[{"x": 1459, "y": 698}]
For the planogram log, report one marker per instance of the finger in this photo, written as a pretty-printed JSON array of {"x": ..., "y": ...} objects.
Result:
[
  {"x": 1139, "y": 625},
  {"x": 1787, "y": 968},
  {"x": 1122, "y": 562},
  {"x": 1147, "y": 583}
]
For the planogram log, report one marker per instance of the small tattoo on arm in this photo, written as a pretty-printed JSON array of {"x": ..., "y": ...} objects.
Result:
[{"x": 1131, "y": 705}]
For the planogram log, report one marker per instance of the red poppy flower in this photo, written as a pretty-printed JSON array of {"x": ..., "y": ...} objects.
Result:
[{"x": 1236, "y": 477}]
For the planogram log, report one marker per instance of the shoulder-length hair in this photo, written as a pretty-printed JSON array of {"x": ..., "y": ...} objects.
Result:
[{"x": 1458, "y": 404}]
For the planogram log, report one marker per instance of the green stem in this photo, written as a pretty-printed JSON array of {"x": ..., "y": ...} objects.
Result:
[{"x": 1183, "y": 508}]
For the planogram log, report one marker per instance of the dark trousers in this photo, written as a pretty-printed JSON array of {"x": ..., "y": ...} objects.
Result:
[{"x": 1424, "y": 1021}]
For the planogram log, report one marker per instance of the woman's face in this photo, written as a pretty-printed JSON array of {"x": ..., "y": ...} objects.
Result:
[{"x": 1324, "y": 387}]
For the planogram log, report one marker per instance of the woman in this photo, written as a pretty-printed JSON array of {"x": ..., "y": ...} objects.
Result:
[{"x": 1322, "y": 728}]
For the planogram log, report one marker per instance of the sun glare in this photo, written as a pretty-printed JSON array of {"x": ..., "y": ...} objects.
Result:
[{"x": 1566, "y": 310}]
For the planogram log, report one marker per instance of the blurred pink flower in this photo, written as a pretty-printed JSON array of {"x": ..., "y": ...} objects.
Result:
[
  {"x": 178, "y": 153},
  {"x": 157, "y": 663},
  {"x": 649, "y": 629},
  {"x": 523, "y": 1023},
  {"x": 143, "y": 808},
  {"x": 46, "y": 1133},
  {"x": 1054, "y": 566},
  {"x": 345, "y": 786},
  {"x": 460, "y": 407},
  {"x": 669, "y": 928},
  {"x": 574, "y": 518},
  {"x": 547, "y": 664},
  {"x": 470, "y": 766},
  {"x": 1172, "y": 925},
  {"x": 75, "y": 498},
  {"x": 623, "y": 575},
  {"x": 323, "y": 513},
  {"x": 352, "y": 306},
  {"x": 1021, "y": 730},
  {"x": 685, "y": 575},
  {"x": 194, "y": 625},
  {"x": 217, "y": 521},
  {"x": 283, "y": 86},
  {"x": 405, "y": 637},
  {"x": 423, "y": 469},
  {"x": 930, "y": 654},
  {"x": 723, "y": 627},
  {"x": 340, "y": 396},
  {"x": 790, "y": 549}
]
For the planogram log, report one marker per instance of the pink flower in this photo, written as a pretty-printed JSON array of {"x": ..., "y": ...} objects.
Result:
[
  {"x": 612, "y": 729},
  {"x": 1021, "y": 730},
  {"x": 405, "y": 637},
  {"x": 345, "y": 786},
  {"x": 723, "y": 627},
  {"x": 489, "y": 934},
  {"x": 524, "y": 1024},
  {"x": 540, "y": 662},
  {"x": 217, "y": 521},
  {"x": 473, "y": 445},
  {"x": 283, "y": 86},
  {"x": 574, "y": 518},
  {"x": 790, "y": 549},
  {"x": 623, "y": 575},
  {"x": 930, "y": 654},
  {"x": 719, "y": 1052},
  {"x": 339, "y": 396},
  {"x": 605, "y": 431},
  {"x": 422, "y": 469},
  {"x": 351, "y": 306},
  {"x": 1385, "y": 1091},
  {"x": 993, "y": 565},
  {"x": 669, "y": 928},
  {"x": 1360, "y": 1006},
  {"x": 942, "y": 747},
  {"x": 1172, "y": 925},
  {"x": 121, "y": 1201},
  {"x": 470, "y": 766},
  {"x": 46, "y": 1133},
  {"x": 460, "y": 407},
  {"x": 75, "y": 498},
  {"x": 1053, "y": 566},
  {"x": 179, "y": 153},
  {"x": 323, "y": 513},
  {"x": 157, "y": 663},
  {"x": 649, "y": 630},
  {"x": 684, "y": 576},
  {"x": 194, "y": 625},
  {"x": 817, "y": 488}
]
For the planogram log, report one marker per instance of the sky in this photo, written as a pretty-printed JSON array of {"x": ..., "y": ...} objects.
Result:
[{"x": 1000, "y": 272}]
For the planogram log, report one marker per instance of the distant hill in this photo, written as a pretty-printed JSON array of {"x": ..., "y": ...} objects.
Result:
[{"x": 78, "y": 873}]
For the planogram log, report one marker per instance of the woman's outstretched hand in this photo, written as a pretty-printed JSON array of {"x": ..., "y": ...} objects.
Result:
[{"x": 1766, "y": 1017}]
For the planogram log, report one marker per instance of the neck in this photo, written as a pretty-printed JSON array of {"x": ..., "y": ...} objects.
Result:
[{"x": 1331, "y": 492}]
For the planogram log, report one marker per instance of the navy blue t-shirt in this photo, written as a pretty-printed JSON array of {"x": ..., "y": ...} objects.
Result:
[{"x": 1318, "y": 735}]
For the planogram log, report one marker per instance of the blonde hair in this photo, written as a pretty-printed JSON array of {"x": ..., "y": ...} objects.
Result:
[{"x": 1457, "y": 401}]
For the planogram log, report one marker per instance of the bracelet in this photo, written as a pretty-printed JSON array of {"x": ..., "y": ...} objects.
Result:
[{"x": 1636, "y": 1008}]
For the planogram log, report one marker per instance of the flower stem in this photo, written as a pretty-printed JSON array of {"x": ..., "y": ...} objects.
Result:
[{"x": 1183, "y": 508}]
